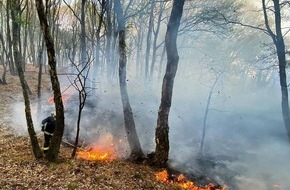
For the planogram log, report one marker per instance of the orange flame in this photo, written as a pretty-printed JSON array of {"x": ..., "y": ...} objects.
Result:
[
  {"x": 183, "y": 182},
  {"x": 63, "y": 97},
  {"x": 277, "y": 186},
  {"x": 98, "y": 153}
]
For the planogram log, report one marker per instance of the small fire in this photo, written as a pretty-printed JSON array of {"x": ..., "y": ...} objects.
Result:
[
  {"x": 63, "y": 97},
  {"x": 182, "y": 182},
  {"x": 277, "y": 186},
  {"x": 98, "y": 153}
]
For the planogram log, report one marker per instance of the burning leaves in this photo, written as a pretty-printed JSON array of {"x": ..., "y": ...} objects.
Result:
[
  {"x": 105, "y": 148},
  {"x": 182, "y": 182},
  {"x": 98, "y": 153}
]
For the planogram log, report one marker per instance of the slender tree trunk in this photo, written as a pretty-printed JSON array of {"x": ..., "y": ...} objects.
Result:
[
  {"x": 31, "y": 33},
  {"x": 114, "y": 59},
  {"x": 17, "y": 57},
  {"x": 3, "y": 78},
  {"x": 25, "y": 31},
  {"x": 280, "y": 48},
  {"x": 9, "y": 40},
  {"x": 136, "y": 150},
  {"x": 161, "y": 61},
  {"x": 53, "y": 150},
  {"x": 204, "y": 124},
  {"x": 19, "y": 35},
  {"x": 162, "y": 129},
  {"x": 40, "y": 64},
  {"x": 149, "y": 36},
  {"x": 72, "y": 51},
  {"x": 109, "y": 36},
  {"x": 82, "y": 101},
  {"x": 94, "y": 47},
  {"x": 83, "y": 33},
  {"x": 139, "y": 60},
  {"x": 155, "y": 47}
]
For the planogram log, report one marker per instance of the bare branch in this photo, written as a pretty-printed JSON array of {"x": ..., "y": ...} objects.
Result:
[
  {"x": 244, "y": 25},
  {"x": 72, "y": 10}
]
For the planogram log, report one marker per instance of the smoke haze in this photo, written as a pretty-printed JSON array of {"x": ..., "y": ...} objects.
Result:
[
  {"x": 245, "y": 135},
  {"x": 245, "y": 130}
]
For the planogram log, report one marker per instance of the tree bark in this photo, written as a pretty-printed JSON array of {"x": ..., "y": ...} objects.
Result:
[
  {"x": 39, "y": 84},
  {"x": 109, "y": 36},
  {"x": 136, "y": 150},
  {"x": 204, "y": 124},
  {"x": 162, "y": 129},
  {"x": 280, "y": 48},
  {"x": 17, "y": 57},
  {"x": 149, "y": 37},
  {"x": 9, "y": 40},
  {"x": 83, "y": 33},
  {"x": 3, "y": 78},
  {"x": 53, "y": 151},
  {"x": 156, "y": 32}
]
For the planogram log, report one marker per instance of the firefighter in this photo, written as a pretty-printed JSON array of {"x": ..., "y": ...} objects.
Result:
[{"x": 48, "y": 125}]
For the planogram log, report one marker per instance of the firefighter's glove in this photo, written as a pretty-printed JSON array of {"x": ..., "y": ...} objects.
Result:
[{"x": 42, "y": 127}]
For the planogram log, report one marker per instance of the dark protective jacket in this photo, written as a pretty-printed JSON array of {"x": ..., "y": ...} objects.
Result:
[{"x": 50, "y": 124}]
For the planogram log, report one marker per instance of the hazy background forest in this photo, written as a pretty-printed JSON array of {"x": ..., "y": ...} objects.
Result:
[{"x": 227, "y": 77}]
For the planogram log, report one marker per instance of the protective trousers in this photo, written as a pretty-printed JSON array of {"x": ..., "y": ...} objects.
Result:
[{"x": 47, "y": 138}]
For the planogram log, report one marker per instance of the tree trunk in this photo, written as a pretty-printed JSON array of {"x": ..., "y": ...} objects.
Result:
[
  {"x": 9, "y": 40},
  {"x": 204, "y": 125},
  {"x": 83, "y": 33},
  {"x": 109, "y": 34},
  {"x": 4, "y": 51},
  {"x": 82, "y": 100},
  {"x": 39, "y": 84},
  {"x": 139, "y": 60},
  {"x": 3, "y": 78},
  {"x": 17, "y": 57},
  {"x": 149, "y": 36},
  {"x": 53, "y": 150},
  {"x": 156, "y": 33},
  {"x": 114, "y": 60},
  {"x": 25, "y": 31},
  {"x": 280, "y": 48},
  {"x": 162, "y": 129},
  {"x": 161, "y": 61},
  {"x": 136, "y": 150},
  {"x": 80, "y": 84}
]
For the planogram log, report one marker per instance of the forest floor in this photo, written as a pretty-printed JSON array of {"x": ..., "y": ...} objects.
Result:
[{"x": 20, "y": 170}]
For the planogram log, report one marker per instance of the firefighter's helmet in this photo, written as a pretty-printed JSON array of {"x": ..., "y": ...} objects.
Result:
[{"x": 53, "y": 113}]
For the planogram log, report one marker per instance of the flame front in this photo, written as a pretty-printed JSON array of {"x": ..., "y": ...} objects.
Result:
[
  {"x": 183, "y": 183},
  {"x": 98, "y": 153}
]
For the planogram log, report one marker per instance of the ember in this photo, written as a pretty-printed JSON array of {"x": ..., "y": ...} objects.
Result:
[
  {"x": 98, "y": 153},
  {"x": 182, "y": 182}
]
